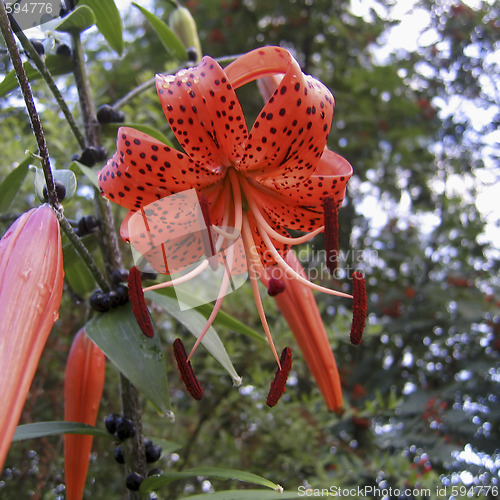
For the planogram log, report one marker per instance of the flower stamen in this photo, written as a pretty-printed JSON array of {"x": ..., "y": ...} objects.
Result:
[
  {"x": 261, "y": 221},
  {"x": 254, "y": 265},
  {"x": 278, "y": 384},
  {"x": 331, "y": 218},
  {"x": 275, "y": 286},
  {"x": 186, "y": 370},
  {"x": 359, "y": 307},
  {"x": 281, "y": 263},
  {"x": 139, "y": 306}
]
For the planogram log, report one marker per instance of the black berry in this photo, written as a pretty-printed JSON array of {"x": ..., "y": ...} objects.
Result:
[
  {"x": 125, "y": 428},
  {"x": 122, "y": 292},
  {"x": 106, "y": 114},
  {"x": 88, "y": 157},
  {"x": 87, "y": 224},
  {"x": 101, "y": 153},
  {"x": 63, "y": 50},
  {"x": 110, "y": 422},
  {"x": 38, "y": 46},
  {"x": 133, "y": 481},
  {"x": 99, "y": 301},
  {"x": 154, "y": 472},
  {"x": 153, "y": 453},
  {"x": 60, "y": 191},
  {"x": 119, "y": 455},
  {"x": 192, "y": 54}
]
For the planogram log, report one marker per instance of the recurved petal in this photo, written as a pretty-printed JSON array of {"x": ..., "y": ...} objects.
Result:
[
  {"x": 144, "y": 170},
  {"x": 288, "y": 137},
  {"x": 31, "y": 277},
  {"x": 201, "y": 106},
  {"x": 301, "y": 208}
]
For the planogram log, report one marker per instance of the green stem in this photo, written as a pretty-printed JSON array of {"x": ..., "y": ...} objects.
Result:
[
  {"x": 30, "y": 105},
  {"x": 44, "y": 71}
]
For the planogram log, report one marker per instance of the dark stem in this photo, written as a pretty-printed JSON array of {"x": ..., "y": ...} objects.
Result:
[
  {"x": 84, "y": 93},
  {"x": 30, "y": 105}
]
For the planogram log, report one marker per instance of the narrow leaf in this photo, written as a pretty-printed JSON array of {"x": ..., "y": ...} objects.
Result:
[
  {"x": 12, "y": 184},
  {"x": 223, "y": 319},
  {"x": 89, "y": 173},
  {"x": 108, "y": 22},
  {"x": 77, "y": 21},
  {"x": 194, "y": 322},
  {"x": 167, "y": 37},
  {"x": 138, "y": 357},
  {"x": 156, "y": 482},
  {"x": 42, "y": 429},
  {"x": 57, "y": 65},
  {"x": 76, "y": 272}
]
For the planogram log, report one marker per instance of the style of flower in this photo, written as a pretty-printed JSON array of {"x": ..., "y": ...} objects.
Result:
[
  {"x": 83, "y": 385},
  {"x": 31, "y": 283},
  {"x": 278, "y": 177}
]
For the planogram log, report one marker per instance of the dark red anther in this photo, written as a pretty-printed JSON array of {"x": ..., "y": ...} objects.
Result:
[
  {"x": 278, "y": 384},
  {"x": 360, "y": 304},
  {"x": 208, "y": 241},
  {"x": 331, "y": 223},
  {"x": 139, "y": 306},
  {"x": 186, "y": 370},
  {"x": 275, "y": 286}
]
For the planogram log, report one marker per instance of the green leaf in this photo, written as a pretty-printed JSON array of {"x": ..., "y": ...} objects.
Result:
[
  {"x": 138, "y": 357},
  {"x": 57, "y": 65},
  {"x": 89, "y": 173},
  {"x": 167, "y": 37},
  {"x": 112, "y": 129},
  {"x": 12, "y": 184},
  {"x": 42, "y": 429},
  {"x": 194, "y": 322},
  {"x": 78, "y": 20},
  {"x": 108, "y": 21},
  {"x": 76, "y": 272},
  {"x": 248, "y": 495},
  {"x": 67, "y": 177},
  {"x": 156, "y": 482},
  {"x": 223, "y": 319}
]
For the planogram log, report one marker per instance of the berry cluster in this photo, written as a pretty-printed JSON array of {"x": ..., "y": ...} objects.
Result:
[
  {"x": 123, "y": 428},
  {"x": 104, "y": 301}
]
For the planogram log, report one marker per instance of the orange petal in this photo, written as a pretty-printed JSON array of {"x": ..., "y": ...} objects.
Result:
[
  {"x": 299, "y": 308},
  {"x": 83, "y": 386},
  {"x": 288, "y": 137},
  {"x": 31, "y": 282},
  {"x": 144, "y": 170},
  {"x": 204, "y": 113}
]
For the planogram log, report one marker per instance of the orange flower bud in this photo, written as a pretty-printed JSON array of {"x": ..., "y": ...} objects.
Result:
[
  {"x": 83, "y": 386},
  {"x": 31, "y": 283}
]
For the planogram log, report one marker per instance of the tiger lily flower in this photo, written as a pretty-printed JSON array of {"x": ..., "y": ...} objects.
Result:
[
  {"x": 262, "y": 183},
  {"x": 31, "y": 284},
  {"x": 83, "y": 385}
]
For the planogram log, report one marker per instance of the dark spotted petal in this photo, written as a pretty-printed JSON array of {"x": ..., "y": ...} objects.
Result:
[
  {"x": 205, "y": 115},
  {"x": 288, "y": 137},
  {"x": 144, "y": 170}
]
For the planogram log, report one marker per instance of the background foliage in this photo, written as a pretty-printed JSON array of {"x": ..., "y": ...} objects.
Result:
[{"x": 421, "y": 392}]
